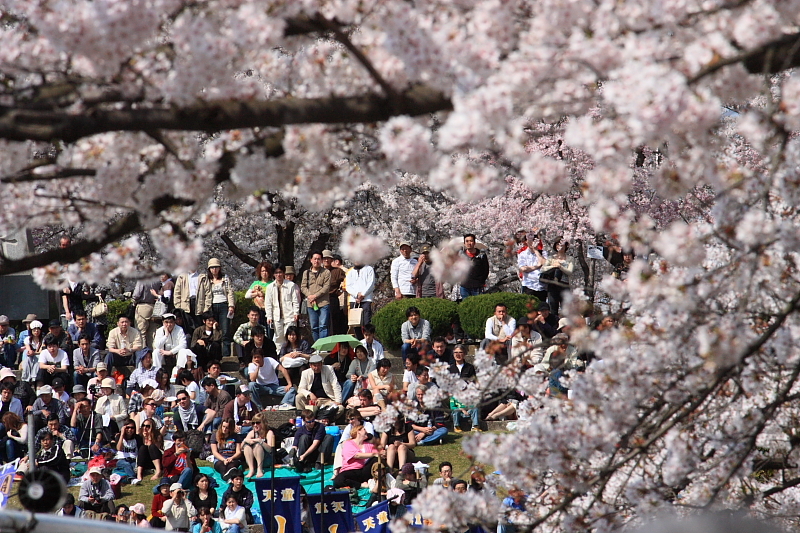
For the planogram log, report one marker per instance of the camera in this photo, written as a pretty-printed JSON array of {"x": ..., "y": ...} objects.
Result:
[{"x": 94, "y": 390}]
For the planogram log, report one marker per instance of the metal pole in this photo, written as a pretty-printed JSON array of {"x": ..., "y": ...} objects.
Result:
[
  {"x": 31, "y": 450},
  {"x": 272, "y": 487},
  {"x": 322, "y": 491}
]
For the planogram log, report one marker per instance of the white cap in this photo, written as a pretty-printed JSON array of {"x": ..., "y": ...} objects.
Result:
[{"x": 44, "y": 389}]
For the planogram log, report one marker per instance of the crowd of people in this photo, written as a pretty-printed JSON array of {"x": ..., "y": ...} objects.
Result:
[{"x": 176, "y": 405}]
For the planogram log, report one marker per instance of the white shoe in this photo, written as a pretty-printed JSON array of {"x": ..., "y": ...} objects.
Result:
[
  {"x": 285, "y": 407},
  {"x": 135, "y": 481},
  {"x": 210, "y": 458}
]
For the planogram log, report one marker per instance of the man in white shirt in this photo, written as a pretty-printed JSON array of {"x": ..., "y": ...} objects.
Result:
[
  {"x": 263, "y": 374},
  {"x": 170, "y": 339},
  {"x": 373, "y": 346},
  {"x": 51, "y": 360},
  {"x": 359, "y": 284},
  {"x": 402, "y": 268},
  {"x": 499, "y": 327},
  {"x": 282, "y": 307},
  {"x": 530, "y": 260}
]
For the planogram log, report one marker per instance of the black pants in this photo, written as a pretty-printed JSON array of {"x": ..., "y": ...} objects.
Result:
[
  {"x": 226, "y": 470},
  {"x": 354, "y": 478},
  {"x": 146, "y": 456},
  {"x": 325, "y": 447},
  {"x": 540, "y": 295}
]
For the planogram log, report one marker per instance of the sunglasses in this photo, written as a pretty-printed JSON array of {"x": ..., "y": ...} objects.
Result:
[{"x": 148, "y": 426}]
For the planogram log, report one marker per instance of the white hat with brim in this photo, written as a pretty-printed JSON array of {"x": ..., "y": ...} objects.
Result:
[
  {"x": 108, "y": 383},
  {"x": 44, "y": 389},
  {"x": 96, "y": 470}
]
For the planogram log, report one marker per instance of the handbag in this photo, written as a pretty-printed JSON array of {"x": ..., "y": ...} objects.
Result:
[
  {"x": 100, "y": 308},
  {"x": 159, "y": 308},
  {"x": 355, "y": 317}
]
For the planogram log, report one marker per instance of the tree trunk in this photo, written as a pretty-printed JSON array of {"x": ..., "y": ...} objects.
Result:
[{"x": 285, "y": 238}]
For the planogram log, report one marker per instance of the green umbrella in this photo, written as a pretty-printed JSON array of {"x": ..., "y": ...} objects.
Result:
[{"x": 326, "y": 344}]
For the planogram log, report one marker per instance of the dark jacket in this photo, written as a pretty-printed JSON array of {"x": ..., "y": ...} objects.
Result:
[
  {"x": 467, "y": 371},
  {"x": 244, "y": 498},
  {"x": 478, "y": 270}
]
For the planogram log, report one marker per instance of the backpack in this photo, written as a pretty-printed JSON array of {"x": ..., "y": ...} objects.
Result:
[{"x": 195, "y": 440}]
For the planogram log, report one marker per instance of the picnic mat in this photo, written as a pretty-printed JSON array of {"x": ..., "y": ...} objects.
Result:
[{"x": 310, "y": 482}]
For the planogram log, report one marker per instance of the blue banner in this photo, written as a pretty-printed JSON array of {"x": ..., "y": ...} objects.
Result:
[
  {"x": 416, "y": 518},
  {"x": 331, "y": 512},
  {"x": 286, "y": 500},
  {"x": 7, "y": 473},
  {"x": 375, "y": 519}
]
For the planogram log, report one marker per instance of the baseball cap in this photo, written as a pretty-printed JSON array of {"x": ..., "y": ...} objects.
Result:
[
  {"x": 108, "y": 383},
  {"x": 58, "y": 382},
  {"x": 96, "y": 470},
  {"x": 425, "y": 249},
  {"x": 316, "y": 358},
  {"x": 175, "y": 486},
  {"x": 30, "y": 318},
  {"x": 55, "y": 323},
  {"x": 244, "y": 389},
  {"x": 102, "y": 366}
]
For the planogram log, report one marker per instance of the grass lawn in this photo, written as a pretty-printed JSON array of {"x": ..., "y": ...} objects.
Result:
[{"x": 450, "y": 451}]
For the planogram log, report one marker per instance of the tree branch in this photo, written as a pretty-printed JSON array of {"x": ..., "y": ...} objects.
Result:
[
  {"x": 238, "y": 252},
  {"x": 23, "y": 124},
  {"x": 114, "y": 231}
]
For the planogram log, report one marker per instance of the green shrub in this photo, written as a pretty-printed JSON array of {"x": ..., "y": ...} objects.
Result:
[
  {"x": 115, "y": 309},
  {"x": 242, "y": 306},
  {"x": 440, "y": 313},
  {"x": 474, "y": 310}
]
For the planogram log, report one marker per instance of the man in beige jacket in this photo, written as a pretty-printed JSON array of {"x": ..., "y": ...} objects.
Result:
[
  {"x": 315, "y": 286},
  {"x": 282, "y": 307},
  {"x": 318, "y": 387}
]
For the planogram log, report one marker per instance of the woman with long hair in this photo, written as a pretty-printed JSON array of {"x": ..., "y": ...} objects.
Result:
[
  {"x": 203, "y": 494},
  {"x": 128, "y": 446},
  {"x": 226, "y": 447},
  {"x": 295, "y": 353},
  {"x": 16, "y": 436},
  {"x": 151, "y": 451},
  {"x": 258, "y": 444},
  {"x": 215, "y": 294},
  {"x": 399, "y": 443},
  {"x": 358, "y": 455}
]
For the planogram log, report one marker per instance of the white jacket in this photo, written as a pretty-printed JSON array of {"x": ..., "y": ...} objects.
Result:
[
  {"x": 167, "y": 343},
  {"x": 289, "y": 302}
]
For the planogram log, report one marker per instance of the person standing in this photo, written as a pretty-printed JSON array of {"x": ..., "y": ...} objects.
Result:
[
  {"x": 530, "y": 261},
  {"x": 282, "y": 306},
  {"x": 145, "y": 300},
  {"x": 185, "y": 297},
  {"x": 475, "y": 281},
  {"x": 316, "y": 287},
  {"x": 215, "y": 294},
  {"x": 359, "y": 284},
  {"x": 427, "y": 286},
  {"x": 401, "y": 273},
  {"x": 338, "y": 324}
]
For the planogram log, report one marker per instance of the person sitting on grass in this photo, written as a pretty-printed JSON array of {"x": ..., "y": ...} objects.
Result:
[
  {"x": 399, "y": 443},
  {"x": 445, "y": 475},
  {"x": 226, "y": 447},
  {"x": 232, "y": 518},
  {"x": 358, "y": 456},
  {"x": 206, "y": 524},
  {"x": 96, "y": 494},
  {"x": 433, "y": 430},
  {"x": 157, "y": 506},
  {"x": 243, "y": 495}
]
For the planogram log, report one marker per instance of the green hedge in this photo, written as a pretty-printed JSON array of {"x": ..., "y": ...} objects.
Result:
[
  {"x": 440, "y": 313},
  {"x": 474, "y": 310},
  {"x": 115, "y": 309}
]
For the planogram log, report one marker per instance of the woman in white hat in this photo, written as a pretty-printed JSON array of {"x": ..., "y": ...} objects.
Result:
[{"x": 215, "y": 294}]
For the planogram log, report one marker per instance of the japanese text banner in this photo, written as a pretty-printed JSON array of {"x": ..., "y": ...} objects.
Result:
[
  {"x": 287, "y": 504},
  {"x": 337, "y": 516},
  {"x": 375, "y": 519}
]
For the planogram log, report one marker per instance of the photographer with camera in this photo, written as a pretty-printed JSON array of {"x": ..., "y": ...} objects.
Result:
[
  {"x": 178, "y": 511},
  {"x": 87, "y": 426}
]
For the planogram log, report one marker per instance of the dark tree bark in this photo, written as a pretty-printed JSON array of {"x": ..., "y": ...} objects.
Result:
[
  {"x": 238, "y": 252},
  {"x": 285, "y": 239}
]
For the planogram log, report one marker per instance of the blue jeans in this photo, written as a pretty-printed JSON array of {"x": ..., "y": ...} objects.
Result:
[
  {"x": 474, "y": 414},
  {"x": 10, "y": 355},
  {"x": 434, "y": 437},
  {"x": 234, "y": 528},
  {"x": 319, "y": 321},
  {"x": 466, "y": 293},
  {"x": 347, "y": 389},
  {"x": 128, "y": 466},
  {"x": 272, "y": 390},
  {"x": 220, "y": 312}
]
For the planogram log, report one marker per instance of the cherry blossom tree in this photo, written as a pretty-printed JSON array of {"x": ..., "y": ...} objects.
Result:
[{"x": 124, "y": 117}]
